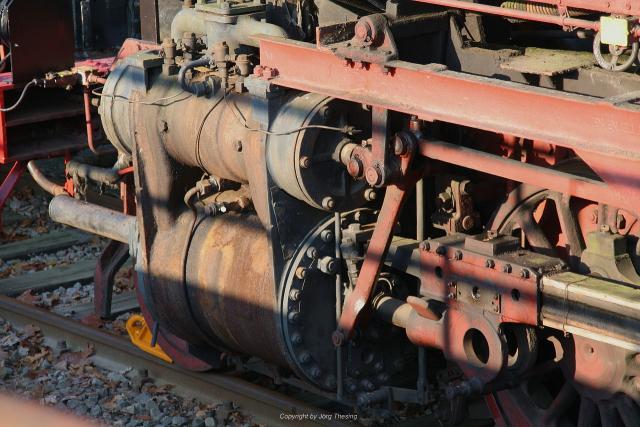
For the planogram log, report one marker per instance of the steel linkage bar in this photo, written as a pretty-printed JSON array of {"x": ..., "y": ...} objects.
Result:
[{"x": 515, "y": 170}]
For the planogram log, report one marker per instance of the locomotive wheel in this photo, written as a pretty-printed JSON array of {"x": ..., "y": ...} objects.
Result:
[{"x": 575, "y": 381}]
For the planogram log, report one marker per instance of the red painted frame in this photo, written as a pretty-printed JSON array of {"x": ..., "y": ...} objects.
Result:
[{"x": 603, "y": 133}]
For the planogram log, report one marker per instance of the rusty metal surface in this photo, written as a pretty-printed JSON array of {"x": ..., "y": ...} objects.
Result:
[
  {"x": 239, "y": 311},
  {"x": 111, "y": 260},
  {"x": 548, "y": 63}
]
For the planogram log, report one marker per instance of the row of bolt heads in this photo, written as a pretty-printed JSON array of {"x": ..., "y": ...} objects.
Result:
[{"x": 489, "y": 263}]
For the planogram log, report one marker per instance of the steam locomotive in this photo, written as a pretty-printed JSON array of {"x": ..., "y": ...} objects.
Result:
[{"x": 417, "y": 202}]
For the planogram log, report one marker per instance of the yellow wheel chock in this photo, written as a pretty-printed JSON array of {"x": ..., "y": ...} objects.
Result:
[{"x": 141, "y": 336}]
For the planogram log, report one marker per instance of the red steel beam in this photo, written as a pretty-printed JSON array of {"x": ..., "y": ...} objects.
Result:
[
  {"x": 432, "y": 92},
  {"x": 619, "y": 7},
  {"x": 563, "y": 21}
]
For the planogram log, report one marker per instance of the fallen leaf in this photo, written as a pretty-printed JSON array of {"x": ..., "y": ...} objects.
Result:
[
  {"x": 93, "y": 321},
  {"x": 78, "y": 357},
  {"x": 28, "y": 298},
  {"x": 30, "y": 330}
]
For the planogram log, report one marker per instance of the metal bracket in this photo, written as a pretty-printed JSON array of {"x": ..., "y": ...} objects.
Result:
[{"x": 369, "y": 40}]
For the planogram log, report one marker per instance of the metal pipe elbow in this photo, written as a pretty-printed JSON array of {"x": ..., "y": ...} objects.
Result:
[
  {"x": 45, "y": 183},
  {"x": 248, "y": 27},
  {"x": 188, "y": 21}
]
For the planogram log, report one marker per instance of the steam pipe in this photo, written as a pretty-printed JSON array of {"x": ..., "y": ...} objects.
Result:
[
  {"x": 87, "y": 118},
  {"x": 93, "y": 219},
  {"x": 44, "y": 182},
  {"x": 93, "y": 173}
]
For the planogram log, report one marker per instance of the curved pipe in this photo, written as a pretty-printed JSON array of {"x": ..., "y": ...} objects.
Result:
[
  {"x": 248, "y": 27},
  {"x": 93, "y": 173},
  {"x": 44, "y": 182},
  {"x": 188, "y": 20},
  {"x": 198, "y": 89},
  {"x": 242, "y": 33}
]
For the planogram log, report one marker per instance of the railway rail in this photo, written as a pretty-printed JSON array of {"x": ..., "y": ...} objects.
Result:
[{"x": 266, "y": 406}]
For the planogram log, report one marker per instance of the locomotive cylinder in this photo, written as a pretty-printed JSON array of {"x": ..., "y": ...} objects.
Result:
[{"x": 195, "y": 131}]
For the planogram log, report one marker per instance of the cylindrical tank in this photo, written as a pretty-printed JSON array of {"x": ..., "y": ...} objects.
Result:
[
  {"x": 225, "y": 296},
  {"x": 196, "y": 131}
]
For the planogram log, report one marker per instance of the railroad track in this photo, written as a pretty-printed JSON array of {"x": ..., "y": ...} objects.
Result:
[{"x": 111, "y": 350}]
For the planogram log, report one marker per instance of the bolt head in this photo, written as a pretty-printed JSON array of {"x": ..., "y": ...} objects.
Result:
[
  {"x": 294, "y": 316},
  {"x": 468, "y": 222},
  {"x": 370, "y": 194},
  {"x": 489, "y": 263},
  {"x": 524, "y": 273},
  {"x": 367, "y": 385},
  {"x": 507, "y": 268},
  {"x": 337, "y": 338},
  {"x": 382, "y": 377},
  {"x": 296, "y": 338},
  {"x": 238, "y": 146},
  {"x": 328, "y": 265},
  {"x": 305, "y": 162},
  {"x": 373, "y": 176},
  {"x": 312, "y": 252},
  {"x": 315, "y": 371},
  {"x": 294, "y": 295},
  {"x": 441, "y": 250},
  {"x": 363, "y": 31},
  {"x": 327, "y": 236},
  {"x": 425, "y": 246},
  {"x": 301, "y": 272},
  {"x": 458, "y": 255},
  {"x": 354, "y": 167},
  {"x": 329, "y": 203},
  {"x": 305, "y": 357}
]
